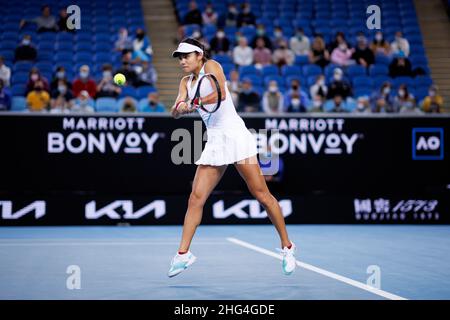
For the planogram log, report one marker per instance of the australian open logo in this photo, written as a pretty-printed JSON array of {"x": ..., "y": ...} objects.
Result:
[{"x": 428, "y": 143}]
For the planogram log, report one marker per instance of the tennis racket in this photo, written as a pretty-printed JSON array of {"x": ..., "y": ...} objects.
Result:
[{"x": 208, "y": 86}]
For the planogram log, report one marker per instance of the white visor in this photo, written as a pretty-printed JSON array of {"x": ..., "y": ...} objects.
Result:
[{"x": 185, "y": 48}]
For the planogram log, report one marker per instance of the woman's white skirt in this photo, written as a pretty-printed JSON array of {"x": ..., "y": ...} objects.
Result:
[{"x": 226, "y": 146}]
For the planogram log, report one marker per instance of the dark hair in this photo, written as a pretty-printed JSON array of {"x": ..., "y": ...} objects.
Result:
[{"x": 197, "y": 43}]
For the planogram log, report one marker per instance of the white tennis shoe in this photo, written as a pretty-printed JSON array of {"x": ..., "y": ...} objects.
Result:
[
  {"x": 289, "y": 261},
  {"x": 180, "y": 263}
]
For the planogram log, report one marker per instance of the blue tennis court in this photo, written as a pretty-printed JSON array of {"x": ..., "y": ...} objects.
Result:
[{"x": 234, "y": 262}]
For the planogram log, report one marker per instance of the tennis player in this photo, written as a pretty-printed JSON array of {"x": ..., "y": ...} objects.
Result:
[{"x": 229, "y": 142}]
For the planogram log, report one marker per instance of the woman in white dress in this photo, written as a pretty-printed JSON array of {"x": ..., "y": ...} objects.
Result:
[{"x": 229, "y": 142}]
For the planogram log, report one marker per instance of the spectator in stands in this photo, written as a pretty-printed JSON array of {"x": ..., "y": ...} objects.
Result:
[
  {"x": 59, "y": 74},
  {"x": 193, "y": 16},
  {"x": 220, "y": 43},
  {"x": 319, "y": 89},
  {"x": 197, "y": 35},
  {"x": 338, "y": 39},
  {"x": 128, "y": 72},
  {"x": 232, "y": 15},
  {"x": 33, "y": 77},
  {"x": 404, "y": 101},
  {"x": 45, "y": 22},
  {"x": 261, "y": 55},
  {"x": 261, "y": 34},
  {"x": 339, "y": 86},
  {"x": 26, "y": 50},
  {"x": 38, "y": 99},
  {"x": 433, "y": 102},
  {"x": 60, "y": 105},
  {"x": 123, "y": 41},
  {"x": 283, "y": 55},
  {"x": 337, "y": 104},
  {"x": 153, "y": 104},
  {"x": 363, "y": 55},
  {"x": 319, "y": 54},
  {"x": 246, "y": 17},
  {"x": 248, "y": 98},
  {"x": 400, "y": 67},
  {"x": 342, "y": 54},
  {"x": 300, "y": 43},
  {"x": 272, "y": 102},
  {"x": 209, "y": 16},
  {"x": 83, "y": 104},
  {"x": 382, "y": 101},
  {"x": 5, "y": 97},
  {"x": 84, "y": 82},
  {"x": 5, "y": 73},
  {"x": 234, "y": 86},
  {"x": 62, "y": 90},
  {"x": 400, "y": 45},
  {"x": 278, "y": 37},
  {"x": 362, "y": 105},
  {"x": 142, "y": 49},
  {"x": 295, "y": 99},
  {"x": 106, "y": 87},
  {"x": 62, "y": 22},
  {"x": 243, "y": 54},
  {"x": 147, "y": 75},
  {"x": 128, "y": 106},
  {"x": 380, "y": 45}
]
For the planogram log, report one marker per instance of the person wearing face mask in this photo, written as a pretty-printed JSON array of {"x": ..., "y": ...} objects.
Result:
[
  {"x": 129, "y": 73},
  {"x": 209, "y": 16},
  {"x": 404, "y": 101},
  {"x": 220, "y": 43},
  {"x": 243, "y": 54},
  {"x": 249, "y": 100},
  {"x": 339, "y": 86},
  {"x": 341, "y": 55},
  {"x": 382, "y": 101},
  {"x": 246, "y": 17},
  {"x": 278, "y": 38},
  {"x": 400, "y": 67},
  {"x": 295, "y": 99},
  {"x": 379, "y": 45},
  {"x": 123, "y": 41},
  {"x": 148, "y": 75},
  {"x": 319, "y": 55},
  {"x": 319, "y": 88},
  {"x": 272, "y": 101},
  {"x": 5, "y": 97},
  {"x": 62, "y": 89},
  {"x": 261, "y": 34},
  {"x": 261, "y": 55},
  {"x": 193, "y": 16},
  {"x": 60, "y": 106},
  {"x": 25, "y": 51},
  {"x": 400, "y": 45},
  {"x": 362, "y": 105},
  {"x": 283, "y": 55},
  {"x": 362, "y": 54},
  {"x": 337, "y": 104},
  {"x": 128, "y": 105},
  {"x": 433, "y": 102},
  {"x": 300, "y": 43},
  {"x": 232, "y": 15},
  {"x": 38, "y": 99},
  {"x": 34, "y": 77},
  {"x": 106, "y": 87},
  {"x": 83, "y": 103},
  {"x": 60, "y": 74},
  {"x": 141, "y": 47},
  {"x": 84, "y": 82},
  {"x": 151, "y": 104}
]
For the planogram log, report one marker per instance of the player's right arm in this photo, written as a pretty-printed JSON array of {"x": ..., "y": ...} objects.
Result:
[{"x": 182, "y": 107}]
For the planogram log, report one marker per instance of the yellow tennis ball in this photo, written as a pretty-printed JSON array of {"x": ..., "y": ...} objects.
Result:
[{"x": 119, "y": 79}]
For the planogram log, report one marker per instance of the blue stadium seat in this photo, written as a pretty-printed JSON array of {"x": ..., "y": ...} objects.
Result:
[
  {"x": 291, "y": 71},
  {"x": 356, "y": 70},
  {"x": 222, "y": 58},
  {"x": 279, "y": 79},
  {"x": 63, "y": 56},
  {"x": 255, "y": 79},
  {"x": 403, "y": 80},
  {"x": 18, "y": 103},
  {"x": 248, "y": 70},
  {"x": 128, "y": 91},
  {"x": 269, "y": 70},
  {"x": 20, "y": 77},
  {"x": 311, "y": 70},
  {"x": 423, "y": 81},
  {"x": 22, "y": 66},
  {"x": 106, "y": 105},
  {"x": 44, "y": 66},
  {"x": 301, "y": 60},
  {"x": 142, "y": 92},
  {"x": 379, "y": 80},
  {"x": 365, "y": 81},
  {"x": 378, "y": 69},
  {"x": 18, "y": 90}
]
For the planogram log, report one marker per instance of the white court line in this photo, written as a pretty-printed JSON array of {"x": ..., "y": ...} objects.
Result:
[
  {"x": 323, "y": 272},
  {"x": 99, "y": 243}
]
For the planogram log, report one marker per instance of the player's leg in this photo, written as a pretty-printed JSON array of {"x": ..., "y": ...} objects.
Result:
[
  {"x": 205, "y": 180},
  {"x": 250, "y": 171}
]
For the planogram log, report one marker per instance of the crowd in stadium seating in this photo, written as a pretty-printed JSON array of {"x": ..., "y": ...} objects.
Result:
[
  {"x": 275, "y": 73},
  {"x": 88, "y": 90}
]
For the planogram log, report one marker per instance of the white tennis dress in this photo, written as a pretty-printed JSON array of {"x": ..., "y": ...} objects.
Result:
[{"x": 229, "y": 140}]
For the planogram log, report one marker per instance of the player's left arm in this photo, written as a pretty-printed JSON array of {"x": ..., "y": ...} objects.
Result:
[{"x": 215, "y": 68}]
